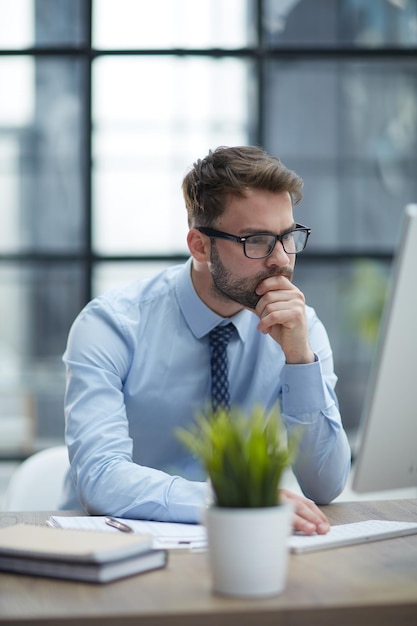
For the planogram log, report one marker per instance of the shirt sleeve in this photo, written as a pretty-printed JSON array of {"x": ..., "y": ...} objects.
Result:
[
  {"x": 103, "y": 474},
  {"x": 310, "y": 411}
]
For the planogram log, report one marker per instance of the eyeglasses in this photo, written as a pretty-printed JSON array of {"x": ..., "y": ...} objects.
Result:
[{"x": 261, "y": 245}]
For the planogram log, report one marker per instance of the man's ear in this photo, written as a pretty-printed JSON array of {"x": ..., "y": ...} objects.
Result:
[{"x": 198, "y": 245}]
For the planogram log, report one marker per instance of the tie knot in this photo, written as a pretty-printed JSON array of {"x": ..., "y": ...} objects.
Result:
[{"x": 220, "y": 335}]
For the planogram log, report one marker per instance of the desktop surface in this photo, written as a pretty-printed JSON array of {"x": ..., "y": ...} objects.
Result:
[{"x": 374, "y": 583}]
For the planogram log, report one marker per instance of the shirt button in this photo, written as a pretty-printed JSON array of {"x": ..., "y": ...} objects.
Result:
[{"x": 286, "y": 388}]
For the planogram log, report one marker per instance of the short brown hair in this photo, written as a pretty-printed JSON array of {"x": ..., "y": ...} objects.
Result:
[{"x": 231, "y": 171}]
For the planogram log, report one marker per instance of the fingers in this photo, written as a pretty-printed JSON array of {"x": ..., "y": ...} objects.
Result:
[
  {"x": 273, "y": 283},
  {"x": 308, "y": 518},
  {"x": 280, "y": 303},
  {"x": 289, "y": 314},
  {"x": 281, "y": 312}
]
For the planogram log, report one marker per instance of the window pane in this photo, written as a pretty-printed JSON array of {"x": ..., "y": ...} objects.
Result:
[
  {"x": 16, "y": 25},
  {"x": 109, "y": 275},
  {"x": 37, "y": 307},
  {"x": 152, "y": 118},
  {"x": 41, "y": 154},
  {"x": 348, "y": 298},
  {"x": 333, "y": 23},
  {"x": 37, "y": 23},
  {"x": 350, "y": 130},
  {"x": 142, "y": 24}
]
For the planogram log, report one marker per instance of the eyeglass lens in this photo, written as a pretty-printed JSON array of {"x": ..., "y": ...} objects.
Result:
[{"x": 258, "y": 246}]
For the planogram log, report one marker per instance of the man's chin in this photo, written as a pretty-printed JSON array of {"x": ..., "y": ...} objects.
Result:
[{"x": 248, "y": 301}]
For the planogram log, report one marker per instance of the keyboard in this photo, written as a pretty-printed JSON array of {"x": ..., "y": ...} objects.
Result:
[{"x": 351, "y": 534}]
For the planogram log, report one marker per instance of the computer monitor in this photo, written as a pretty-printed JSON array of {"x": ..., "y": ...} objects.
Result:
[{"x": 387, "y": 453}]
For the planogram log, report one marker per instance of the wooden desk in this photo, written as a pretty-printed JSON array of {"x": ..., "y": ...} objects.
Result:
[{"x": 360, "y": 585}]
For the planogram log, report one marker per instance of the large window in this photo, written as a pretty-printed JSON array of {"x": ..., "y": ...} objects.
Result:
[{"x": 106, "y": 103}]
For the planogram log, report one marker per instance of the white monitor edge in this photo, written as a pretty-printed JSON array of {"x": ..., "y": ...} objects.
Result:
[{"x": 387, "y": 452}]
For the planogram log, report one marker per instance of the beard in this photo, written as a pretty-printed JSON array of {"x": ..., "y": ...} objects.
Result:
[{"x": 241, "y": 290}]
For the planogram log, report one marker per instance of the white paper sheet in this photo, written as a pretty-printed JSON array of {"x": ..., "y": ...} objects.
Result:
[{"x": 168, "y": 535}]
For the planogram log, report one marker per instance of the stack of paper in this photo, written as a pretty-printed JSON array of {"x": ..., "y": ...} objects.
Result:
[{"x": 76, "y": 554}]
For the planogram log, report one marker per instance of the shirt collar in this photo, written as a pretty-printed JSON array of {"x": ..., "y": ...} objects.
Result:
[{"x": 199, "y": 317}]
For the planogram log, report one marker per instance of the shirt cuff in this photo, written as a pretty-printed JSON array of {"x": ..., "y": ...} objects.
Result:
[
  {"x": 187, "y": 500},
  {"x": 304, "y": 392}
]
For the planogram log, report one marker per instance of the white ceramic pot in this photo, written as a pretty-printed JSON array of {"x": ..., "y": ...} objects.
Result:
[{"x": 248, "y": 549}]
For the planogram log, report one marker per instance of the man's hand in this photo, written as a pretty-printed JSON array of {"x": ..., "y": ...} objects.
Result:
[
  {"x": 281, "y": 310},
  {"x": 307, "y": 516}
]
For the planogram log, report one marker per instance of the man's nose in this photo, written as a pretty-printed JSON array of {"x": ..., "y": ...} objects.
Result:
[{"x": 278, "y": 255}]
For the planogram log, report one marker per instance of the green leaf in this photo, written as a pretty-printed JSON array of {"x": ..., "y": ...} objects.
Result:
[{"x": 244, "y": 455}]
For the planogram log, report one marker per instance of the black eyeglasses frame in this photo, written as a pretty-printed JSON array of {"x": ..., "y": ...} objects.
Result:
[{"x": 219, "y": 234}]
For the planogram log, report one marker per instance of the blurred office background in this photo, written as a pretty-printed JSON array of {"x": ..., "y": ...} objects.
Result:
[{"x": 104, "y": 105}]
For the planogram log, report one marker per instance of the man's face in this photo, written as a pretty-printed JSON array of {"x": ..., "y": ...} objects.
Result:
[{"x": 234, "y": 276}]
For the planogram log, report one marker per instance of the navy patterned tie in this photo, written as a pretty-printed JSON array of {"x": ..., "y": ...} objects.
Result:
[{"x": 219, "y": 338}]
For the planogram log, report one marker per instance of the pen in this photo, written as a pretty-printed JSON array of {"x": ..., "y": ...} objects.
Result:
[
  {"x": 172, "y": 542},
  {"x": 115, "y": 523}
]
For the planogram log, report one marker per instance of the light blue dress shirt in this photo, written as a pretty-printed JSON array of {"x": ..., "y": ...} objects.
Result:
[{"x": 138, "y": 367}]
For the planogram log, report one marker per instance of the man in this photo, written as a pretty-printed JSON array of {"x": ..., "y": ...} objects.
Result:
[{"x": 138, "y": 358}]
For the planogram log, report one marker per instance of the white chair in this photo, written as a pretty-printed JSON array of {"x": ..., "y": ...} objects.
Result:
[{"x": 37, "y": 483}]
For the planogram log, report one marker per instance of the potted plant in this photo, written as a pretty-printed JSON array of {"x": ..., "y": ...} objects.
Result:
[{"x": 247, "y": 526}]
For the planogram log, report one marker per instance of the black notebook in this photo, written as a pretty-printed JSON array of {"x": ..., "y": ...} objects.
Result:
[{"x": 82, "y": 555}]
